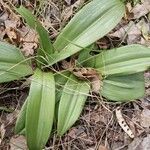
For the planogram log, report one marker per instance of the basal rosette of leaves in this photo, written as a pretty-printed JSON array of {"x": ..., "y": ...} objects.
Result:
[{"x": 59, "y": 97}]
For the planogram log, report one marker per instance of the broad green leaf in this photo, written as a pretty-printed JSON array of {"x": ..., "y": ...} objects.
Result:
[
  {"x": 13, "y": 65},
  {"x": 40, "y": 110},
  {"x": 20, "y": 123},
  {"x": 124, "y": 60},
  {"x": 91, "y": 23},
  {"x": 72, "y": 101},
  {"x": 124, "y": 88},
  {"x": 46, "y": 47}
]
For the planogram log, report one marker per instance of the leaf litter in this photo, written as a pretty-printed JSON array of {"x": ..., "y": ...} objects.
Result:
[{"x": 98, "y": 127}]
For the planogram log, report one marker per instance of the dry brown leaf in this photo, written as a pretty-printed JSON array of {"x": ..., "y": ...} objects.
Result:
[
  {"x": 85, "y": 73},
  {"x": 145, "y": 145},
  {"x": 91, "y": 75},
  {"x": 8, "y": 27},
  {"x": 145, "y": 118},
  {"x": 2, "y": 32},
  {"x": 130, "y": 30},
  {"x": 140, "y": 144},
  {"x": 28, "y": 48},
  {"x": 123, "y": 123},
  {"x": 18, "y": 143},
  {"x": 145, "y": 28},
  {"x": 4, "y": 16},
  {"x": 68, "y": 65},
  {"x": 96, "y": 84},
  {"x": 68, "y": 2},
  {"x": 13, "y": 35},
  {"x": 101, "y": 147},
  {"x": 91, "y": 148},
  {"x": 100, "y": 116},
  {"x": 129, "y": 14},
  {"x": 141, "y": 9},
  {"x": 29, "y": 41},
  {"x": 11, "y": 117},
  {"x": 134, "y": 145},
  {"x": 12, "y": 23},
  {"x": 2, "y": 132},
  {"x": 68, "y": 11},
  {"x": 76, "y": 132}
]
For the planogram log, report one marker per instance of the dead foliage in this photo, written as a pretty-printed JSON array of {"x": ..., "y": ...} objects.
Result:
[{"x": 98, "y": 127}]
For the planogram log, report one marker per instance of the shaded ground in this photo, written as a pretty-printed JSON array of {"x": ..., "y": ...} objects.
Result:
[{"x": 98, "y": 127}]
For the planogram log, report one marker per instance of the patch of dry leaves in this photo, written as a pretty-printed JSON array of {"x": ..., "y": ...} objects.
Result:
[
  {"x": 136, "y": 26},
  {"x": 97, "y": 128}
]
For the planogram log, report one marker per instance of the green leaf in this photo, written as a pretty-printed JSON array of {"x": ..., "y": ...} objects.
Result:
[
  {"x": 13, "y": 65},
  {"x": 61, "y": 78},
  {"x": 20, "y": 123},
  {"x": 40, "y": 110},
  {"x": 124, "y": 60},
  {"x": 46, "y": 47},
  {"x": 72, "y": 101},
  {"x": 85, "y": 54},
  {"x": 124, "y": 88},
  {"x": 91, "y": 23}
]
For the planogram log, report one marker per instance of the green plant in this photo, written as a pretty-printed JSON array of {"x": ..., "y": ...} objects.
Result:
[{"x": 58, "y": 97}]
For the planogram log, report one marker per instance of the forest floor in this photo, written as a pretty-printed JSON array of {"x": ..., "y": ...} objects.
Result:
[{"x": 97, "y": 127}]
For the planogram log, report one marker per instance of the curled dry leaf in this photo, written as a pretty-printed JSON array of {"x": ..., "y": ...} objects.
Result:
[
  {"x": 85, "y": 73},
  {"x": 123, "y": 123},
  {"x": 91, "y": 75}
]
